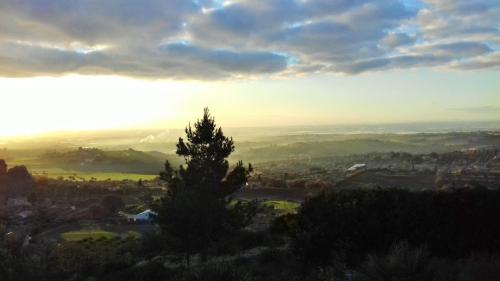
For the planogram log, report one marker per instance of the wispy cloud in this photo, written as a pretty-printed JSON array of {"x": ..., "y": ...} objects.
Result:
[
  {"x": 209, "y": 39},
  {"x": 478, "y": 109}
]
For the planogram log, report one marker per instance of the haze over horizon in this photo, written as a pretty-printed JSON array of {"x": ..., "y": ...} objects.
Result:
[{"x": 91, "y": 65}]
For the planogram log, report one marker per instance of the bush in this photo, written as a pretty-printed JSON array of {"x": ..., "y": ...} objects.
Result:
[
  {"x": 97, "y": 257},
  {"x": 153, "y": 244},
  {"x": 401, "y": 263},
  {"x": 414, "y": 264},
  {"x": 216, "y": 272},
  {"x": 112, "y": 203},
  {"x": 149, "y": 272},
  {"x": 284, "y": 225},
  {"x": 357, "y": 222},
  {"x": 324, "y": 274}
]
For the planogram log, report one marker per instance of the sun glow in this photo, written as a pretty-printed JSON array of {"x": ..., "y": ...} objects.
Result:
[
  {"x": 85, "y": 102},
  {"x": 73, "y": 103}
]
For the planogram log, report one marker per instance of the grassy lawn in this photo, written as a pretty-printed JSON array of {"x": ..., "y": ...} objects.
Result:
[
  {"x": 285, "y": 207},
  {"x": 282, "y": 206},
  {"x": 133, "y": 234},
  {"x": 92, "y": 234}
]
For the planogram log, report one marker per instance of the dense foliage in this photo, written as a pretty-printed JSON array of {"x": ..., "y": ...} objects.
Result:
[{"x": 352, "y": 223}]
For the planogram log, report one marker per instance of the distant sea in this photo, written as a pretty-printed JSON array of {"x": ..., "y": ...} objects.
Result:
[
  {"x": 396, "y": 128},
  {"x": 126, "y": 136}
]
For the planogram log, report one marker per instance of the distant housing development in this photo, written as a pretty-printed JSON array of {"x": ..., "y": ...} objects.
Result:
[{"x": 469, "y": 178}]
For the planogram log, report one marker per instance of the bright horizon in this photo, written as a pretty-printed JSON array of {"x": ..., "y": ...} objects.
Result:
[
  {"x": 92, "y": 66},
  {"x": 75, "y": 103}
]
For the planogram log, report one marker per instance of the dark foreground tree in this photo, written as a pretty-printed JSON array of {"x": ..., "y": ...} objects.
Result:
[{"x": 195, "y": 213}]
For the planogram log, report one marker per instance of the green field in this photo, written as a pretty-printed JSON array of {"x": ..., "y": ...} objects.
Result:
[
  {"x": 101, "y": 176},
  {"x": 79, "y": 235},
  {"x": 91, "y": 234},
  {"x": 284, "y": 207},
  {"x": 38, "y": 168},
  {"x": 133, "y": 234}
]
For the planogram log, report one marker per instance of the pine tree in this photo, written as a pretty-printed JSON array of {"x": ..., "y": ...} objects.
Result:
[{"x": 195, "y": 214}]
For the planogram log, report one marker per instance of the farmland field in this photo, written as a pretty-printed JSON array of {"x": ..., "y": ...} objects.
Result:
[
  {"x": 115, "y": 176},
  {"x": 40, "y": 167}
]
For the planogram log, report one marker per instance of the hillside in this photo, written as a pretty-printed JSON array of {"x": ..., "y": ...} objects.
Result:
[{"x": 97, "y": 160}]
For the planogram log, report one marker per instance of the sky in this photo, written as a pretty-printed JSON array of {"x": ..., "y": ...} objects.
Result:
[{"x": 91, "y": 64}]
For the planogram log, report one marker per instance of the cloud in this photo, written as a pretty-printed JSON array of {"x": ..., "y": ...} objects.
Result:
[
  {"x": 488, "y": 61},
  {"x": 478, "y": 109},
  {"x": 214, "y": 39},
  {"x": 457, "y": 50},
  {"x": 460, "y": 19},
  {"x": 394, "y": 40},
  {"x": 422, "y": 56},
  {"x": 190, "y": 58}
]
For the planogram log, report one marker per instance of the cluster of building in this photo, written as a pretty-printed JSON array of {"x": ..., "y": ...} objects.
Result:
[
  {"x": 458, "y": 169},
  {"x": 468, "y": 178}
]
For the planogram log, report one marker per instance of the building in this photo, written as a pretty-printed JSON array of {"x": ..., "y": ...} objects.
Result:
[
  {"x": 145, "y": 216},
  {"x": 355, "y": 170}
]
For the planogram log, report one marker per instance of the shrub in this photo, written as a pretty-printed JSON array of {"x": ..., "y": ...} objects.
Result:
[
  {"x": 149, "y": 272},
  {"x": 112, "y": 203},
  {"x": 357, "y": 222},
  {"x": 324, "y": 274},
  {"x": 216, "y": 272},
  {"x": 284, "y": 225},
  {"x": 401, "y": 263},
  {"x": 414, "y": 264}
]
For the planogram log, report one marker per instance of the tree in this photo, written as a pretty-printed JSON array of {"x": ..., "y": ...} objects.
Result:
[
  {"x": 112, "y": 203},
  {"x": 19, "y": 173},
  {"x": 3, "y": 167},
  {"x": 32, "y": 198},
  {"x": 19, "y": 182},
  {"x": 194, "y": 214}
]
